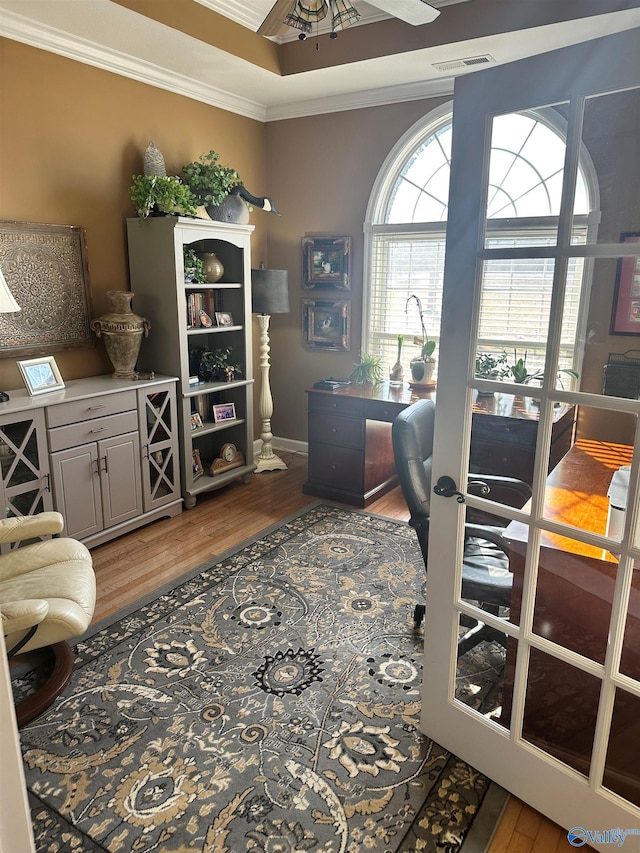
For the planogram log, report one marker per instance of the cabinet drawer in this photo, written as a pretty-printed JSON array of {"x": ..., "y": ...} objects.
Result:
[
  {"x": 348, "y": 406},
  {"x": 502, "y": 459},
  {"x": 337, "y": 467},
  {"x": 72, "y": 435},
  {"x": 96, "y": 407},
  {"x": 335, "y": 430}
]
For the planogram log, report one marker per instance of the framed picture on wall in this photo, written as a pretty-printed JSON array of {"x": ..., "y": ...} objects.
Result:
[
  {"x": 326, "y": 324},
  {"x": 625, "y": 317},
  {"x": 325, "y": 262}
]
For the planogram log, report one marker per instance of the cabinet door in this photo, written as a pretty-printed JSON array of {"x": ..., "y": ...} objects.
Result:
[
  {"x": 119, "y": 462},
  {"x": 24, "y": 464},
  {"x": 159, "y": 441},
  {"x": 76, "y": 485}
]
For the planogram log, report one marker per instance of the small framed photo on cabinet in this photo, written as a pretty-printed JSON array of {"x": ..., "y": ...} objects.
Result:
[{"x": 41, "y": 375}]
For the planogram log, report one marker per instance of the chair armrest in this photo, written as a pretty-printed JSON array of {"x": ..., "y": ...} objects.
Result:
[
  {"x": 30, "y": 526},
  {"x": 491, "y": 534},
  {"x": 22, "y": 615},
  {"x": 500, "y": 484}
]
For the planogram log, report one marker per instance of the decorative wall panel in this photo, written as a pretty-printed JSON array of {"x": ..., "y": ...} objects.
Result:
[{"x": 45, "y": 267}]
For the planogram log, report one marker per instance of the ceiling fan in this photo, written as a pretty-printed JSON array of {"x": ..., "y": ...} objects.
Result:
[{"x": 302, "y": 14}]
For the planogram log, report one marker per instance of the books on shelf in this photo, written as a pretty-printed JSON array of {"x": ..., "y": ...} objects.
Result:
[{"x": 206, "y": 301}]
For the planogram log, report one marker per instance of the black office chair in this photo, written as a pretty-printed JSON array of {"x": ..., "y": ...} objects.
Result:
[{"x": 485, "y": 572}]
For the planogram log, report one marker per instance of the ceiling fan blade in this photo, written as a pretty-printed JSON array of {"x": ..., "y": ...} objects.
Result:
[
  {"x": 412, "y": 11},
  {"x": 273, "y": 24}
]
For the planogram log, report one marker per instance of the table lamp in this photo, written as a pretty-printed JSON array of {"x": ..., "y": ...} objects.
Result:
[
  {"x": 270, "y": 295},
  {"x": 8, "y": 305}
]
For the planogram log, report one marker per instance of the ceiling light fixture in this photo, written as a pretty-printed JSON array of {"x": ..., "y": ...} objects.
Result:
[{"x": 306, "y": 13}]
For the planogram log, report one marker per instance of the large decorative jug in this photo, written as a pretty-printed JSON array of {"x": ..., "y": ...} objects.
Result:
[{"x": 122, "y": 331}]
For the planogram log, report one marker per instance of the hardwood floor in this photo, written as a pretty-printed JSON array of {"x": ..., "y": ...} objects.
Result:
[{"x": 133, "y": 566}]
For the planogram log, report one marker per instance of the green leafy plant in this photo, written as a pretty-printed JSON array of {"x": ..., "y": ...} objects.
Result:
[
  {"x": 208, "y": 180},
  {"x": 193, "y": 266},
  {"x": 368, "y": 370},
  {"x": 521, "y": 374},
  {"x": 213, "y": 365},
  {"x": 490, "y": 366},
  {"x": 163, "y": 193}
]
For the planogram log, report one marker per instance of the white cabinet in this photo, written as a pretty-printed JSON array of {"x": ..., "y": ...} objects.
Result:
[
  {"x": 103, "y": 452},
  {"x": 161, "y": 294}
]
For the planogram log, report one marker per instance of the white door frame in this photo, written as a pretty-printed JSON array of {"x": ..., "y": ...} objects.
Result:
[{"x": 602, "y": 65}]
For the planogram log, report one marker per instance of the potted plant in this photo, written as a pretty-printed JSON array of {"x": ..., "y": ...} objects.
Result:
[
  {"x": 193, "y": 266},
  {"x": 368, "y": 371},
  {"x": 161, "y": 194},
  {"x": 490, "y": 366},
  {"x": 208, "y": 180},
  {"x": 214, "y": 365},
  {"x": 422, "y": 366},
  {"x": 522, "y": 376}
]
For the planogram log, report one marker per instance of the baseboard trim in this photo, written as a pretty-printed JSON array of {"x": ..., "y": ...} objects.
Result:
[{"x": 288, "y": 444}]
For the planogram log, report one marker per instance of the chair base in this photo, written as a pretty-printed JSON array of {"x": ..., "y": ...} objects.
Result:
[{"x": 38, "y": 701}]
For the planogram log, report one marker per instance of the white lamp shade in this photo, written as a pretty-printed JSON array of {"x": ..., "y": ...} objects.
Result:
[{"x": 7, "y": 303}]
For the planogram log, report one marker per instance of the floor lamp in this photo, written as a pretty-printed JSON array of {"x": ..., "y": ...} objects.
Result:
[
  {"x": 7, "y": 306},
  {"x": 270, "y": 295}
]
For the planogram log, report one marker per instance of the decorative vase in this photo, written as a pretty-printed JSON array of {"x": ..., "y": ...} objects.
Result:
[
  {"x": 122, "y": 331},
  {"x": 213, "y": 269},
  {"x": 396, "y": 373}
]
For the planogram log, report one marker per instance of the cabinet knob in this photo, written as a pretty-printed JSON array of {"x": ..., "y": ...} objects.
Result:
[{"x": 334, "y": 430}]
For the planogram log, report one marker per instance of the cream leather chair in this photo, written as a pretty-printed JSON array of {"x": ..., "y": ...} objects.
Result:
[{"x": 47, "y": 596}]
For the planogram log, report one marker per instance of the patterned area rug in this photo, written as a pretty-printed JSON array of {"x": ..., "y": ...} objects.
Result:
[{"x": 270, "y": 703}]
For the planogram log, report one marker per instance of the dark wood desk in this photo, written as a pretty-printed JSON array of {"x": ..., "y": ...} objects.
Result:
[
  {"x": 350, "y": 452},
  {"x": 573, "y": 608}
]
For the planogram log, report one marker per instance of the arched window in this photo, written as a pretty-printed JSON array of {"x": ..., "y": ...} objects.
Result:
[{"x": 405, "y": 238}]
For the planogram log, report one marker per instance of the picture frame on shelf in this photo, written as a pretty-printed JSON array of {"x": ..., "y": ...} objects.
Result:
[
  {"x": 625, "y": 314},
  {"x": 326, "y": 262},
  {"x": 41, "y": 375},
  {"x": 196, "y": 420},
  {"x": 224, "y": 412},
  {"x": 326, "y": 324},
  {"x": 198, "y": 469},
  {"x": 223, "y": 318}
]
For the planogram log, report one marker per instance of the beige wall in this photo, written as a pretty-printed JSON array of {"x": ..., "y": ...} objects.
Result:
[
  {"x": 71, "y": 137},
  {"x": 320, "y": 171}
]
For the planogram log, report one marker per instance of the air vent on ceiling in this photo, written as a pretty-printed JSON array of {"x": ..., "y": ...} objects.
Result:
[{"x": 470, "y": 61}]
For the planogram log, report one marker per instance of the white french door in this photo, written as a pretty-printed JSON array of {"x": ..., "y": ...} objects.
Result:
[{"x": 562, "y": 731}]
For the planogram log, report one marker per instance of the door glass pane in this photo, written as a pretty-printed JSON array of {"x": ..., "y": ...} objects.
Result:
[
  {"x": 480, "y": 672},
  {"x": 630, "y": 659},
  {"x": 610, "y": 143},
  {"x": 560, "y": 710},
  {"x": 622, "y": 768},
  {"x": 525, "y": 173}
]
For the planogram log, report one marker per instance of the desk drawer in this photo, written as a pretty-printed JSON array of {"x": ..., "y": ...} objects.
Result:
[
  {"x": 335, "y": 430},
  {"x": 71, "y": 435},
  {"x": 96, "y": 407},
  {"x": 502, "y": 459},
  {"x": 332, "y": 403},
  {"x": 512, "y": 430},
  {"x": 338, "y": 467},
  {"x": 379, "y": 410}
]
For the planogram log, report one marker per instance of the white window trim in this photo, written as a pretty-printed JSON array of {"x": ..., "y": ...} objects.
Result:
[{"x": 388, "y": 174}]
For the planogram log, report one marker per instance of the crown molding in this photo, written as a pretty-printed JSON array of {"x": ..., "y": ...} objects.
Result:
[
  {"x": 39, "y": 35},
  {"x": 443, "y": 87},
  {"x": 48, "y": 38}
]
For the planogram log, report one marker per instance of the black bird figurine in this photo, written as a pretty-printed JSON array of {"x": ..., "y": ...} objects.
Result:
[{"x": 234, "y": 209}]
